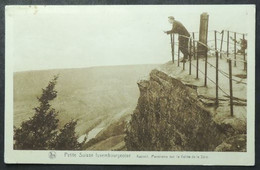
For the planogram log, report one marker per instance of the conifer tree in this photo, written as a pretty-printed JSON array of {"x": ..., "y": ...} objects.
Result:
[
  {"x": 67, "y": 138},
  {"x": 40, "y": 131},
  {"x": 37, "y": 132}
]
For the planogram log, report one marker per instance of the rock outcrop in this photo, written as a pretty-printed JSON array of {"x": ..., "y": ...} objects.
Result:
[{"x": 170, "y": 117}]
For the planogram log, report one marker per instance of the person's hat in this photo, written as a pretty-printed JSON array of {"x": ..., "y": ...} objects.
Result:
[{"x": 171, "y": 17}]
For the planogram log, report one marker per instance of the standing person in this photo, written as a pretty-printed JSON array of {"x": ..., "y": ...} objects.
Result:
[{"x": 184, "y": 35}]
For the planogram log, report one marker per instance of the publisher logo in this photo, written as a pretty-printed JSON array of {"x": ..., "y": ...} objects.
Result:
[{"x": 52, "y": 155}]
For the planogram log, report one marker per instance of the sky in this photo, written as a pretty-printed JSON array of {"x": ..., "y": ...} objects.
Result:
[{"x": 53, "y": 37}]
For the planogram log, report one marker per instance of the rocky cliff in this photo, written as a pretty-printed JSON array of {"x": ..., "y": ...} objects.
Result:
[{"x": 170, "y": 116}]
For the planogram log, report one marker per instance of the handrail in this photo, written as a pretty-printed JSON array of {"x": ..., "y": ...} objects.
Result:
[{"x": 217, "y": 52}]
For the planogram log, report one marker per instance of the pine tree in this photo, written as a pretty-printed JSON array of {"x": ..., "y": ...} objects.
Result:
[
  {"x": 67, "y": 138},
  {"x": 38, "y": 131}
]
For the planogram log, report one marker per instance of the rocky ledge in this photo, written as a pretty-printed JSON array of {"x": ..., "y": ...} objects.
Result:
[{"x": 171, "y": 116}]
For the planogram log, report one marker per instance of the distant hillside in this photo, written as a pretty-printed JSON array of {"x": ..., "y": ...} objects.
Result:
[{"x": 92, "y": 95}]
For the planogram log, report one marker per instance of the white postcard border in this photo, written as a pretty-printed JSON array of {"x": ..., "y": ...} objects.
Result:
[{"x": 131, "y": 157}]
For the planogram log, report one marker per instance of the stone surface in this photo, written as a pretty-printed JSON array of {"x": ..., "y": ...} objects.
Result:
[{"x": 170, "y": 116}]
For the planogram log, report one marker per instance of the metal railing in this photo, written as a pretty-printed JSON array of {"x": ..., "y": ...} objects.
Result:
[{"x": 219, "y": 54}]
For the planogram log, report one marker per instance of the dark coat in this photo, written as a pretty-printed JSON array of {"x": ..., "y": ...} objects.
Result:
[{"x": 178, "y": 28}]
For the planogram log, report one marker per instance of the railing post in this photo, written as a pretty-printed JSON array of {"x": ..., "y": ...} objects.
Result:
[
  {"x": 172, "y": 43},
  {"x": 230, "y": 87},
  {"x": 227, "y": 44},
  {"x": 193, "y": 37},
  {"x": 217, "y": 78},
  {"x": 244, "y": 52},
  {"x": 216, "y": 52},
  {"x": 215, "y": 35},
  {"x": 197, "y": 68},
  {"x": 206, "y": 64},
  {"x": 203, "y": 34},
  {"x": 190, "y": 58},
  {"x": 178, "y": 54},
  {"x": 221, "y": 44},
  {"x": 183, "y": 68},
  {"x": 183, "y": 61},
  {"x": 235, "y": 49}
]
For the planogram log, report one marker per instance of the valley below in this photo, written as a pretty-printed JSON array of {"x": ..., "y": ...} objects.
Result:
[{"x": 100, "y": 98}]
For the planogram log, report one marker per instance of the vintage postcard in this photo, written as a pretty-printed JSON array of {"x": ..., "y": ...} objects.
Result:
[{"x": 132, "y": 85}]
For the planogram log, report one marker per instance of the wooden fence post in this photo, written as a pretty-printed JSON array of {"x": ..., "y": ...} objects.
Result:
[
  {"x": 227, "y": 44},
  {"x": 215, "y": 35},
  {"x": 172, "y": 39},
  {"x": 203, "y": 35},
  {"x": 221, "y": 44},
  {"x": 183, "y": 61},
  {"x": 216, "y": 52},
  {"x": 190, "y": 57},
  {"x": 197, "y": 68},
  {"x": 171, "y": 42},
  {"x": 206, "y": 65},
  {"x": 244, "y": 52},
  {"x": 193, "y": 37},
  {"x": 230, "y": 87},
  {"x": 217, "y": 78},
  {"x": 235, "y": 49},
  {"x": 178, "y": 54}
]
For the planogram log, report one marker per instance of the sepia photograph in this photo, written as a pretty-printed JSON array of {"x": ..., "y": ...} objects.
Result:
[{"x": 157, "y": 84}]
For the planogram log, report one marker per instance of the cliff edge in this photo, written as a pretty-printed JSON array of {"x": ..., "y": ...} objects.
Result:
[{"x": 172, "y": 116}]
